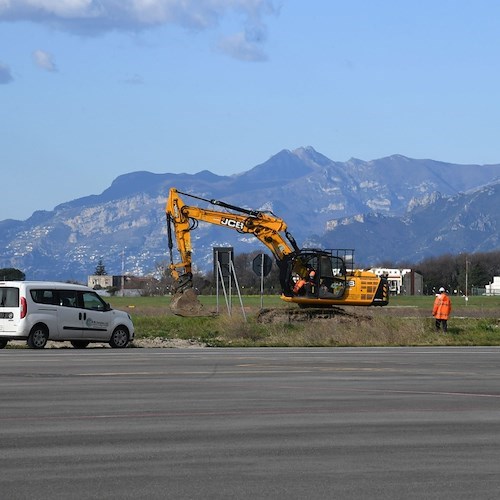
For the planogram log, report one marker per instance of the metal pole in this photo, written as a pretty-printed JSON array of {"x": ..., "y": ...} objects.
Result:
[
  {"x": 262, "y": 281},
  {"x": 233, "y": 272},
  {"x": 228, "y": 302},
  {"x": 123, "y": 273},
  {"x": 466, "y": 281},
  {"x": 217, "y": 279}
]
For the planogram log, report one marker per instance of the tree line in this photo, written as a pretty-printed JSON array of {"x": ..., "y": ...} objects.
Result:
[
  {"x": 455, "y": 271},
  {"x": 450, "y": 271}
]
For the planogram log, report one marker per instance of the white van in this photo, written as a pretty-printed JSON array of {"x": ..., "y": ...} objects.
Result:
[{"x": 38, "y": 311}]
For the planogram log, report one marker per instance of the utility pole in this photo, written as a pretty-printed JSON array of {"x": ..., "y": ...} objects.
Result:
[
  {"x": 466, "y": 280},
  {"x": 123, "y": 274}
]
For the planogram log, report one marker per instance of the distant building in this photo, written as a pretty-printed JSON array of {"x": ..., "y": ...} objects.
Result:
[
  {"x": 104, "y": 281},
  {"x": 130, "y": 286},
  {"x": 401, "y": 281},
  {"x": 493, "y": 288}
]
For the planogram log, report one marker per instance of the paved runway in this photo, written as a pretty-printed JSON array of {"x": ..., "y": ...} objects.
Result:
[{"x": 395, "y": 423}]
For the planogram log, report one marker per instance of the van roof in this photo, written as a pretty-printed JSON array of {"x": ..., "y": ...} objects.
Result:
[{"x": 49, "y": 284}]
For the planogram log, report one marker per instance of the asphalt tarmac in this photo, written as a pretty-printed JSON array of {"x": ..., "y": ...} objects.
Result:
[{"x": 353, "y": 423}]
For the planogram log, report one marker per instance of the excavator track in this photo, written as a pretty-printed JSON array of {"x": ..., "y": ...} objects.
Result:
[{"x": 292, "y": 315}]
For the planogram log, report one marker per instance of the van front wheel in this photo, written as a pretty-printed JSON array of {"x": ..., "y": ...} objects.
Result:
[
  {"x": 3, "y": 343},
  {"x": 119, "y": 337},
  {"x": 38, "y": 337}
]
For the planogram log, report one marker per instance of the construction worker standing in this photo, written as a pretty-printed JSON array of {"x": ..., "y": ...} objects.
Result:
[{"x": 442, "y": 309}]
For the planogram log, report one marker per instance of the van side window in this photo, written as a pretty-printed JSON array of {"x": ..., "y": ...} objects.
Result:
[
  {"x": 92, "y": 301},
  {"x": 44, "y": 296},
  {"x": 68, "y": 298}
]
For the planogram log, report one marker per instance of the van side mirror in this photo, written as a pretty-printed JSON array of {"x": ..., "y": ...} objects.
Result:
[{"x": 107, "y": 307}]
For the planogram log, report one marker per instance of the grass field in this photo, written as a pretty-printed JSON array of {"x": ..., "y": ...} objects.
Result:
[{"x": 407, "y": 321}]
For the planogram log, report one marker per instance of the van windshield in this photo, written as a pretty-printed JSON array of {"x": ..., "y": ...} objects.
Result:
[{"x": 9, "y": 297}]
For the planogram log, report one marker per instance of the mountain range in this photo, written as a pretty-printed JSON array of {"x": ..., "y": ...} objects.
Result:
[{"x": 393, "y": 209}]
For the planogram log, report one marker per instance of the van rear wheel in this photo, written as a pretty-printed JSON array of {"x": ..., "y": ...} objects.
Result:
[
  {"x": 3, "y": 343},
  {"x": 80, "y": 344},
  {"x": 38, "y": 337},
  {"x": 119, "y": 337}
]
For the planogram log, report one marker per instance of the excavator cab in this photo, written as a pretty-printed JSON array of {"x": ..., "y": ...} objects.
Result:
[
  {"x": 323, "y": 271},
  {"x": 330, "y": 280}
]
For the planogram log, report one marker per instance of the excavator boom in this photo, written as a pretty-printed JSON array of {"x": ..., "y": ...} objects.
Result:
[{"x": 182, "y": 219}]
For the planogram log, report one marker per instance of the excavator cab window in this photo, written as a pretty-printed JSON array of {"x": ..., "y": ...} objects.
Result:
[
  {"x": 324, "y": 273},
  {"x": 332, "y": 277}
]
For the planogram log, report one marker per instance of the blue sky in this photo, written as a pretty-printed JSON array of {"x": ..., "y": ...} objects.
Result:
[{"x": 90, "y": 90}]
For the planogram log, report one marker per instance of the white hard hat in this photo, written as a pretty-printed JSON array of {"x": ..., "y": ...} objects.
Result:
[{"x": 441, "y": 289}]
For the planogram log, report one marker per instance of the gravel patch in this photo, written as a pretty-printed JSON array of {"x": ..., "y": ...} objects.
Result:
[
  {"x": 137, "y": 343},
  {"x": 168, "y": 343}
]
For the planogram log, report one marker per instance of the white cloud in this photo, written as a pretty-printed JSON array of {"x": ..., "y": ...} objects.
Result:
[
  {"x": 32, "y": 9},
  {"x": 91, "y": 17},
  {"x": 5, "y": 75},
  {"x": 44, "y": 60}
]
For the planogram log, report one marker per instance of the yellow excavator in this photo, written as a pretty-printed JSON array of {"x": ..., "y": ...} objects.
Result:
[{"x": 309, "y": 277}]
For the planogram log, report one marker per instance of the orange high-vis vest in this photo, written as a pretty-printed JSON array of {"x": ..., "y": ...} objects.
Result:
[
  {"x": 442, "y": 307},
  {"x": 299, "y": 285}
]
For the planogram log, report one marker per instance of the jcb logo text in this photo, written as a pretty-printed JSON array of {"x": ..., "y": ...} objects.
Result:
[{"x": 231, "y": 223}]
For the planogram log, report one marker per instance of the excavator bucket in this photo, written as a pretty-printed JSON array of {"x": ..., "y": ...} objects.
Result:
[{"x": 186, "y": 303}]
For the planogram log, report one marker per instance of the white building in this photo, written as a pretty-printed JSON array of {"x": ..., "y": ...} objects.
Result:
[
  {"x": 104, "y": 281},
  {"x": 401, "y": 281},
  {"x": 493, "y": 288}
]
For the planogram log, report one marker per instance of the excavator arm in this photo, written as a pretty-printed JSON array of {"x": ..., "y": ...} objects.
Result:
[{"x": 182, "y": 219}]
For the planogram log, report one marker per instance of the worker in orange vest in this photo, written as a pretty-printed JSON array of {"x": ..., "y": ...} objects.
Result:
[
  {"x": 302, "y": 286},
  {"x": 442, "y": 309},
  {"x": 299, "y": 288}
]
